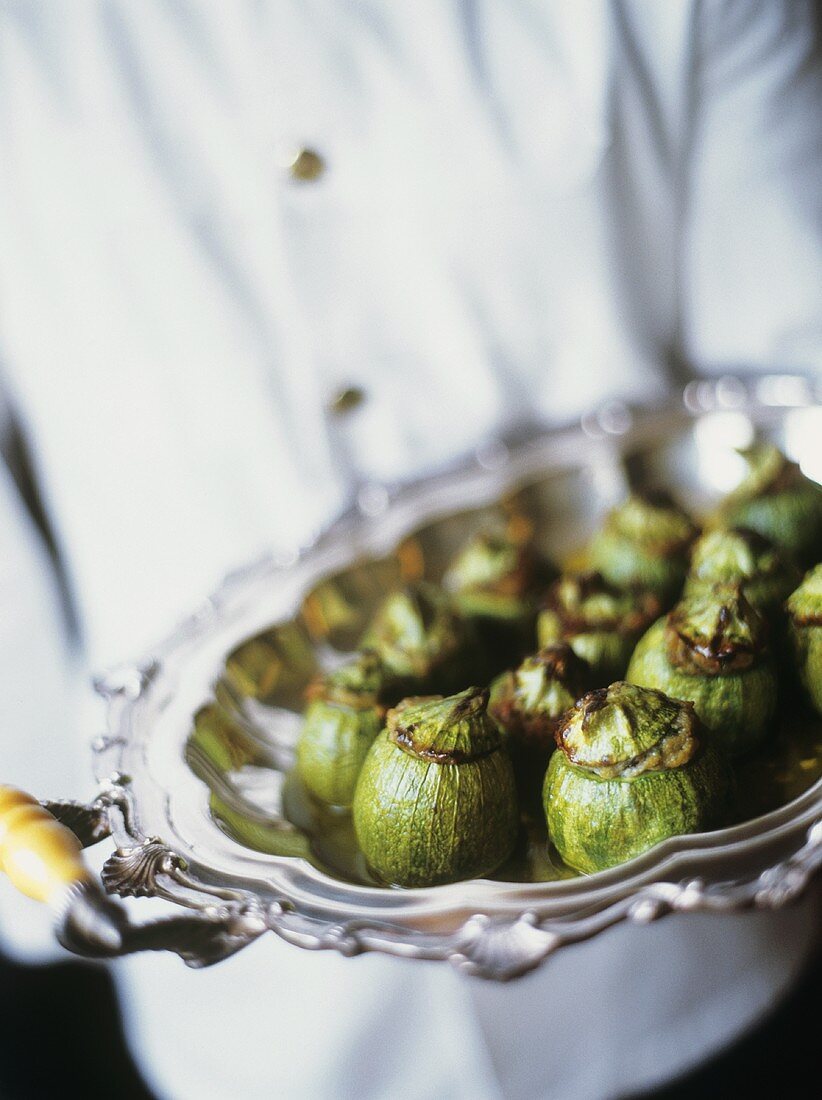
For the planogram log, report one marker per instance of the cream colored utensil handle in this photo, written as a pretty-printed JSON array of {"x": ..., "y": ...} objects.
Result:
[{"x": 40, "y": 856}]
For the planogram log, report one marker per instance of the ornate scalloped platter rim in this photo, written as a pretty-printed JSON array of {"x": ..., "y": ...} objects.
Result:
[{"x": 141, "y": 697}]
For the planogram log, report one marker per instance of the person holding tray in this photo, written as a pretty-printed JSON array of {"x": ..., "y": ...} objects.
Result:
[{"x": 258, "y": 260}]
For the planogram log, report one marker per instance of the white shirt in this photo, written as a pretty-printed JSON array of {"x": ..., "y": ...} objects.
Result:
[{"x": 526, "y": 208}]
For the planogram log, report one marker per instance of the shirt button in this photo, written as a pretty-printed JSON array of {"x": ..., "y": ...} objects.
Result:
[
  {"x": 346, "y": 400},
  {"x": 306, "y": 165}
]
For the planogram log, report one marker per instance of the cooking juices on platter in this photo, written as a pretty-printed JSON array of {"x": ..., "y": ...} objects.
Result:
[{"x": 714, "y": 689}]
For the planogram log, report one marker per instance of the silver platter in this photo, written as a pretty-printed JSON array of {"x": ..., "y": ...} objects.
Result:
[{"x": 201, "y": 733}]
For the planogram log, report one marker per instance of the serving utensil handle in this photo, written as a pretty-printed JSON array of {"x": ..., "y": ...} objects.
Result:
[
  {"x": 42, "y": 858},
  {"x": 40, "y": 855}
]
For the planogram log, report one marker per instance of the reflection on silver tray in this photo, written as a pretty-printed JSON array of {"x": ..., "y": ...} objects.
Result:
[{"x": 193, "y": 771}]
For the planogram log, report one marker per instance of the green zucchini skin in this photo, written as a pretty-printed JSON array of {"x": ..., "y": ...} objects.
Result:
[
  {"x": 624, "y": 564},
  {"x": 806, "y": 645},
  {"x": 420, "y": 823},
  {"x": 494, "y": 581},
  {"x": 791, "y": 518},
  {"x": 804, "y": 607},
  {"x": 601, "y": 623},
  {"x": 436, "y": 799},
  {"x": 644, "y": 544},
  {"x": 777, "y": 500},
  {"x": 422, "y": 640},
  {"x": 607, "y": 652},
  {"x": 597, "y": 823},
  {"x": 738, "y": 707},
  {"x": 729, "y": 555},
  {"x": 333, "y": 744}
]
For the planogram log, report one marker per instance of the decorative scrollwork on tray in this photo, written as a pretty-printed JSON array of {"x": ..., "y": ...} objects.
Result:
[
  {"x": 88, "y": 822},
  {"x": 94, "y": 926},
  {"x": 772, "y": 889},
  {"x": 503, "y": 950},
  {"x": 129, "y": 681},
  {"x": 133, "y": 872}
]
